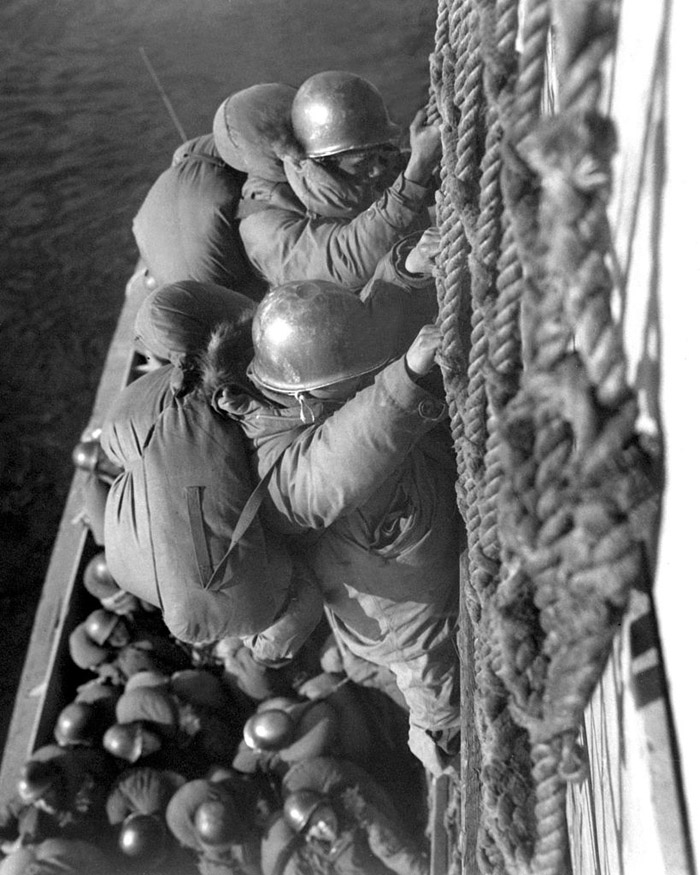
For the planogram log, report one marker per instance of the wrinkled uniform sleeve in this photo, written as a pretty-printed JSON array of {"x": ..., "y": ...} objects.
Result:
[
  {"x": 286, "y": 246},
  {"x": 405, "y": 301},
  {"x": 335, "y": 467}
]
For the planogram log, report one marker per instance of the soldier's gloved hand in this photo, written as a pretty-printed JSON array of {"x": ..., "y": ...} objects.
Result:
[
  {"x": 420, "y": 358},
  {"x": 426, "y": 147},
  {"x": 421, "y": 259}
]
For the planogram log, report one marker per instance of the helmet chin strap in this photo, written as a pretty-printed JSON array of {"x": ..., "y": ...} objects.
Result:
[{"x": 307, "y": 414}]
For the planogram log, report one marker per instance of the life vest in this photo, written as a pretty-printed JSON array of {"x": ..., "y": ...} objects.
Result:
[
  {"x": 187, "y": 226},
  {"x": 169, "y": 522}
]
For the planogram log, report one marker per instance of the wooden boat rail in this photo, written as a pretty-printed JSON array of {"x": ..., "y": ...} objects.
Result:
[{"x": 49, "y": 676}]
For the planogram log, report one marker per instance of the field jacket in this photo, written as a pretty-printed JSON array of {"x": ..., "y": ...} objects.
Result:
[
  {"x": 377, "y": 478},
  {"x": 286, "y": 242}
]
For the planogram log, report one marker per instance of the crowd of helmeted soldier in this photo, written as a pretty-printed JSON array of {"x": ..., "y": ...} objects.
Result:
[
  {"x": 176, "y": 759},
  {"x": 272, "y": 710}
]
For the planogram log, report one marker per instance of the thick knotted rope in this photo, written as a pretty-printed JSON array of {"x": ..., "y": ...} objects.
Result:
[
  {"x": 570, "y": 450},
  {"x": 551, "y": 475},
  {"x": 470, "y": 217}
]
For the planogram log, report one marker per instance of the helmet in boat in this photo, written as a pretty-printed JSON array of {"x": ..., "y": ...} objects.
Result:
[
  {"x": 311, "y": 333},
  {"x": 127, "y": 741},
  {"x": 100, "y": 624},
  {"x": 218, "y": 821},
  {"x": 98, "y": 579},
  {"x": 87, "y": 455},
  {"x": 36, "y": 779},
  {"x": 299, "y": 806},
  {"x": 76, "y": 724},
  {"x": 143, "y": 837},
  {"x": 268, "y": 730},
  {"x": 336, "y": 112}
]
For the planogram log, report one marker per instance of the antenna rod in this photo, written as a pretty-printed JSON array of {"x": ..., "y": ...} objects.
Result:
[{"x": 161, "y": 91}]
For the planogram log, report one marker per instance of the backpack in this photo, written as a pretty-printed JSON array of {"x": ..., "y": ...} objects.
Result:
[
  {"x": 187, "y": 226},
  {"x": 180, "y": 530}
]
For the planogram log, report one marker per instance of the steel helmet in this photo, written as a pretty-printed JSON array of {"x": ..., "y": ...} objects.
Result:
[
  {"x": 77, "y": 724},
  {"x": 124, "y": 741},
  {"x": 144, "y": 837},
  {"x": 97, "y": 578},
  {"x": 217, "y": 821},
  {"x": 312, "y": 333},
  {"x": 87, "y": 455},
  {"x": 36, "y": 779},
  {"x": 337, "y": 112},
  {"x": 268, "y": 730},
  {"x": 299, "y": 806},
  {"x": 100, "y": 624}
]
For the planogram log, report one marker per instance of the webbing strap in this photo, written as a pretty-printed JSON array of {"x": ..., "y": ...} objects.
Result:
[
  {"x": 193, "y": 495},
  {"x": 244, "y": 521}
]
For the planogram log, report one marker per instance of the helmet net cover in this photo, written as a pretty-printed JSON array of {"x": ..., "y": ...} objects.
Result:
[
  {"x": 336, "y": 111},
  {"x": 312, "y": 334}
]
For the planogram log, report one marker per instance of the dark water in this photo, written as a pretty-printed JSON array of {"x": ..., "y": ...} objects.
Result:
[{"x": 83, "y": 133}]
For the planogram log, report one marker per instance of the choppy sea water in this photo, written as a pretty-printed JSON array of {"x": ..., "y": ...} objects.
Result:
[{"x": 84, "y": 131}]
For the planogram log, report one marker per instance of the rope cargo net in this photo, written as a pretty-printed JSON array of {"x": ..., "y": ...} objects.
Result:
[{"x": 552, "y": 476}]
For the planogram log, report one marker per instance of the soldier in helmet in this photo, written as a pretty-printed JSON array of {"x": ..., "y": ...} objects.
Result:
[
  {"x": 282, "y": 732},
  {"x": 114, "y": 647},
  {"x": 145, "y": 841},
  {"x": 141, "y": 790},
  {"x": 157, "y": 742},
  {"x": 60, "y": 792},
  {"x": 166, "y": 407},
  {"x": 334, "y": 210},
  {"x": 187, "y": 226},
  {"x": 99, "y": 582},
  {"x": 369, "y": 835},
  {"x": 154, "y": 745},
  {"x": 209, "y": 734},
  {"x": 81, "y": 724},
  {"x": 221, "y": 819},
  {"x": 347, "y": 834},
  {"x": 353, "y": 439},
  {"x": 338, "y": 719},
  {"x": 139, "y": 742}
]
